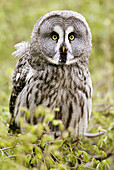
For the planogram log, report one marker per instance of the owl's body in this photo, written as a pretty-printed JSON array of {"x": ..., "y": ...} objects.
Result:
[{"x": 53, "y": 71}]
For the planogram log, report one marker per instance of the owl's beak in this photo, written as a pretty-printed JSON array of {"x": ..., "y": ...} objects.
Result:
[
  {"x": 63, "y": 48},
  {"x": 63, "y": 54}
]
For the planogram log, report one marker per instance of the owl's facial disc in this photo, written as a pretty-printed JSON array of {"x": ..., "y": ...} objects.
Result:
[{"x": 63, "y": 40}]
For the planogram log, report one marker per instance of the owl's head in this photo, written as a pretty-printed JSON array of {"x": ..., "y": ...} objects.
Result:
[{"x": 61, "y": 37}]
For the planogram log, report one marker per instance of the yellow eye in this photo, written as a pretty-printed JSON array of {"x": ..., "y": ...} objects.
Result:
[
  {"x": 54, "y": 37},
  {"x": 71, "y": 37}
]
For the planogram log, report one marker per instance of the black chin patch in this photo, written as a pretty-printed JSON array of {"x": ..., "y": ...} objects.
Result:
[{"x": 63, "y": 56}]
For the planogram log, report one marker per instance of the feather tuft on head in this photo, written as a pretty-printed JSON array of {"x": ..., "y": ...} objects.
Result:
[{"x": 21, "y": 48}]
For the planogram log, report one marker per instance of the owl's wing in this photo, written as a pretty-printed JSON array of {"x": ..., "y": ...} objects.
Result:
[{"x": 20, "y": 72}]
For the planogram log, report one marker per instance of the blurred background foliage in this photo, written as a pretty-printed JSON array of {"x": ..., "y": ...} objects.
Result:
[{"x": 17, "y": 19}]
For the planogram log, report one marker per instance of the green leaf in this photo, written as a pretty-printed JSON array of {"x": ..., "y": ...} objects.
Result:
[
  {"x": 55, "y": 122},
  {"x": 85, "y": 156},
  {"x": 105, "y": 164},
  {"x": 96, "y": 149},
  {"x": 46, "y": 138},
  {"x": 99, "y": 166}
]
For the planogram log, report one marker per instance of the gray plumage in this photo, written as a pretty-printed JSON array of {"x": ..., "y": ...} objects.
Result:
[{"x": 53, "y": 70}]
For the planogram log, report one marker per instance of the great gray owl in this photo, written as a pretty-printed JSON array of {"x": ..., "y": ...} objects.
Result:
[{"x": 53, "y": 70}]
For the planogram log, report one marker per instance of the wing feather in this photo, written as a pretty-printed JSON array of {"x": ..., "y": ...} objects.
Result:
[{"x": 20, "y": 72}]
